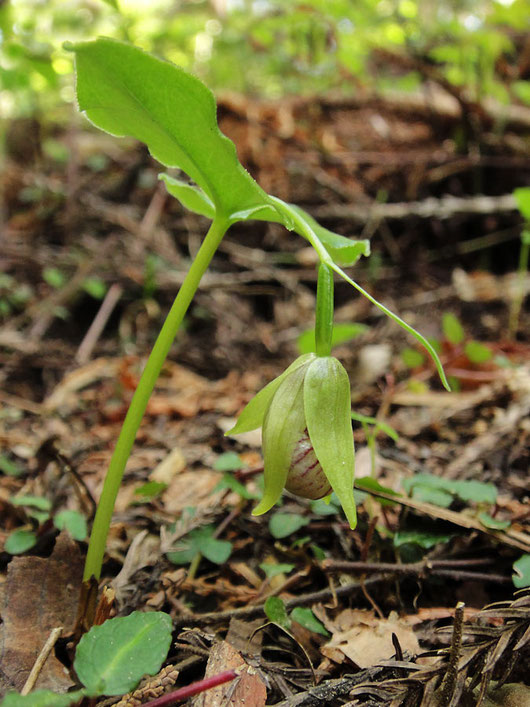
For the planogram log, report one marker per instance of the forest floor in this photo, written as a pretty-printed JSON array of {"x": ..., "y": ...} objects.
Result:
[{"x": 93, "y": 252}]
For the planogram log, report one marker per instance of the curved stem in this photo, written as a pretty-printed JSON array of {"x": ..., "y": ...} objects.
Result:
[
  {"x": 305, "y": 229},
  {"x": 324, "y": 310},
  {"x": 401, "y": 323},
  {"x": 100, "y": 529}
]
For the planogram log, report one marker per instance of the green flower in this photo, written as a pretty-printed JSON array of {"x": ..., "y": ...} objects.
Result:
[{"x": 305, "y": 414}]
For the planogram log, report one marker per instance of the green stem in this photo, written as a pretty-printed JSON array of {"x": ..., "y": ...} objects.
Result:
[
  {"x": 401, "y": 323},
  {"x": 305, "y": 229},
  {"x": 100, "y": 529},
  {"x": 324, "y": 310}
]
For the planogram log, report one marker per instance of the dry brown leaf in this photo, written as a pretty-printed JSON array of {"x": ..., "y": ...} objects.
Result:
[
  {"x": 40, "y": 594},
  {"x": 366, "y": 639},
  {"x": 192, "y": 488},
  {"x": 249, "y": 689},
  {"x": 171, "y": 465},
  {"x": 65, "y": 393}
]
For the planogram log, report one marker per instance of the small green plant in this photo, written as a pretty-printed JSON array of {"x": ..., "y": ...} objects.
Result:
[
  {"x": 13, "y": 296},
  {"x": 461, "y": 352},
  {"x": 201, "y": 542},
  {"x": 110, "y": 659},
  {"x": 125, "y": 91},
  {"x": 39, "y": 510},
  {"x": 371, "y": 427},
  {"x": 443, "y": 492}
]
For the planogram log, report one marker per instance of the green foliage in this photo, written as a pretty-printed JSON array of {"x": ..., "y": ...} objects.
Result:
[
  {"x": 54, "y": 277},
  {"x": 368, "y": 483},
  {"x": 111, "y": 659},
  {"x": 201, "y": 541},
  {"x": 493, "y": 523},
  {"x": 342, "y": 333},
  {"x": 281, "y": 525},
  {"x": 95, "y": 287},
  {"x": 477, "y": 352},
  {"x": 174, "y": 115},
  {"x": 521, "y": 568},
  {"x": 74, "y": 522},
  {"x": 126, "y": 91},
  {"x": 328, "y": 506},
  {"x": 228, "y": 461},
  {"x": 39, "y": 509},
  {"x": 36, "y": 507},
  {"x": 20, "y": 541},
  {"x": 442, "y": 492},
  {"x": 9, "y": 467},
  {"x": 306, "y": 618},
  {"x": 13, "y": 296},
  {"x": 412, "y": 358},
  {"x": 422, "y": 538},
  {"x": 268, "y": 48},
  {"x": 522, "y": 199},
  {"x": 230, "y": 482},
  {"x": 276, "y": 612},
  {"x": 42, "y": 698},
  {"x": 452, "y": 328},
  {"x": 150, "y": 490},
  {"x": 378, "y": 425}
]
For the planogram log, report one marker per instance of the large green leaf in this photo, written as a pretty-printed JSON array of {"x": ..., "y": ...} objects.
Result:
[
  {"x": 126, "y": 91},
  {"x": 111, "y": 659}
]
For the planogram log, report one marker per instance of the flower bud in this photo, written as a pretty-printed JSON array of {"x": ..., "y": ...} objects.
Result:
[
  {"x": 305, "y": 415},
  {"x": 305, "y": 476}
]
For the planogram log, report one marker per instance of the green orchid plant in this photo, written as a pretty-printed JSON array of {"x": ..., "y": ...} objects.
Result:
[
  {"x": 305, "y": 415},
  {"x": 305, "y": 412}
]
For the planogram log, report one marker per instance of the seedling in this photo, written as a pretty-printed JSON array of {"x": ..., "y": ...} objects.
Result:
[
  {"x": 125, "y": 91},
  {"x": 442, "y": 492},
  {"x": 463, "y": 355},
  {"x": 38, "y": 510}
]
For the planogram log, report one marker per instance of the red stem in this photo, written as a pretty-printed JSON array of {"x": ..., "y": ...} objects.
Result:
[{"x": 194, "y": 689}]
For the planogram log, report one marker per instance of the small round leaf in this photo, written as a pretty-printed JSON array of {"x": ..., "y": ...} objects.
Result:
[{"x": 111, "y": 659}]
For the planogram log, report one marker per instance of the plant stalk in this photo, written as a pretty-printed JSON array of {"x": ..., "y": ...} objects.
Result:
[
  {"x": 324, "y": 310},
  {"x": 122, "y": 451}
]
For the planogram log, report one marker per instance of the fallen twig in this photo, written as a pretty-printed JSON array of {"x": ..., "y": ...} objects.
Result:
[{"x": 41, "y": 659}]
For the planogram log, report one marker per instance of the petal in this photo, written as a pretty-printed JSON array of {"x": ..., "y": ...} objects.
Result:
[
  {"x": 252, "y": 415},
  {"x": 327, "y": 405},
  {"x": 282, "y": 427}
]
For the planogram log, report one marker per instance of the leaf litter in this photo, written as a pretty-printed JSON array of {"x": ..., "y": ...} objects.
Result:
[{"x": 241, "y": 332}]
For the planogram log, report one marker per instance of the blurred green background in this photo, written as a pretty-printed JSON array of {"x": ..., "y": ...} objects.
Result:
[{"x": 270, "y": 48}]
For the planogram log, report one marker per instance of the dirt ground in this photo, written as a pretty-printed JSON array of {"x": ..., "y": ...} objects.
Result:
[{"x": 433, "y": 192}]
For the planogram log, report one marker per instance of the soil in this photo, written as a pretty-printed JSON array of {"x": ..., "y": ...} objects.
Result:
[{"x": 84, "y": 215}]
